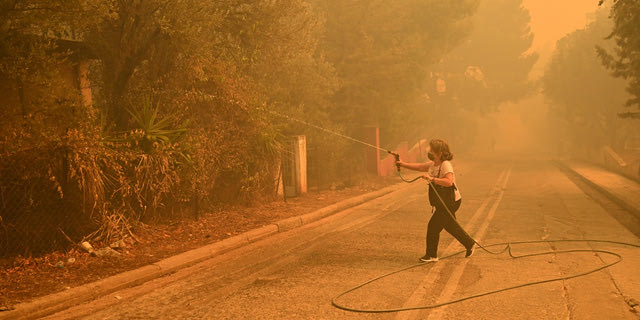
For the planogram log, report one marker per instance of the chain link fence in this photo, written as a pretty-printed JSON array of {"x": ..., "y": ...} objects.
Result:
[
  {"x": 37, "y": 212},
  {"x": 41, "y": 212}
]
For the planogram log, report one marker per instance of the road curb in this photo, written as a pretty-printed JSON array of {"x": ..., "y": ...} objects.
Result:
[
  {"x": 617, "y": 200},
  {"x": 57, "y": 302}
]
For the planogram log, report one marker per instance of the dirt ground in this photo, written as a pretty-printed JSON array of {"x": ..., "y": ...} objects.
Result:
[{"x": 24, "y": 279}]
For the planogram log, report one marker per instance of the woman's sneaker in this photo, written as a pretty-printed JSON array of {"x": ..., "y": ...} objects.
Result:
[
  {"x": 469, "y": 252},
  {"x": 428, "y": 259}
]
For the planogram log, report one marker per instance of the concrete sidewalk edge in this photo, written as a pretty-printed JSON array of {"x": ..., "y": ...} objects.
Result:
[
  {"x": 619, "y": 201},
  {"x": 57, "y": 302}
]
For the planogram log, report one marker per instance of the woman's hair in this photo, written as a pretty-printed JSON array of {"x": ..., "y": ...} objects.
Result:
[{"x": 439, "y": 145}]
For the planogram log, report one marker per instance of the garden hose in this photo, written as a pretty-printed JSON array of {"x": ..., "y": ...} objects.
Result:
[
  {"x": 507, "y": 248},
  {"x": 507, "y": 245}
]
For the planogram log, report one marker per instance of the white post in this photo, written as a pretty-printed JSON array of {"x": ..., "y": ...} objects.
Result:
[{"x": 300, "y": 160}]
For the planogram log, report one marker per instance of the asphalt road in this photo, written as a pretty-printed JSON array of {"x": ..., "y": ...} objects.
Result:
[{"x": 295, "y": 274}]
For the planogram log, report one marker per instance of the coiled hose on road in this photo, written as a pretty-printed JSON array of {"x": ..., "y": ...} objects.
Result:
[
  {"x": 507, "y": 248},
  {"x": 507, "y": 245}
]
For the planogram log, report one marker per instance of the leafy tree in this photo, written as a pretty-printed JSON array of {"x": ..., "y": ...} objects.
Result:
[
  {"x": 32, "y": 55},
  {"x": 624, "y": 62},
  {"x": 382, "y": 51},
  {"x": 276, "y": 45},
  {"x": 42, "y": 118},
  {"x": 265, "y": 52},
  {"x": 137, "y": 44},
  {"x": 492, "y": 66},
  {"x": 582, "y": 93},
  {"x": 213, "y": 63}
]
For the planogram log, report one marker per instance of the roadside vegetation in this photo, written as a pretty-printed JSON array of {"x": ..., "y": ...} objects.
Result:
[
  {"x": 116, "y": 114},
  {"x": 592, "y": 83}
]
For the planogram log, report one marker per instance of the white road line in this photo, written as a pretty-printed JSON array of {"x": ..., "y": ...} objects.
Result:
[{"x": 421, "y": 291}]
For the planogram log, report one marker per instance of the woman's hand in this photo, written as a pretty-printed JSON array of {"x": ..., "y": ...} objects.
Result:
[{"x": 427, "y": 177}]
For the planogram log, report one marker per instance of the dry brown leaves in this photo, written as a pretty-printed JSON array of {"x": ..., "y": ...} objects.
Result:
[{"x": 24, "y": 279}]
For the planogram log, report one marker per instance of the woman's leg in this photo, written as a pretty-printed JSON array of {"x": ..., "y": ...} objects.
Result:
[
  {"x": 436, "y": 223},
  {"x": 451, "y": 225}
]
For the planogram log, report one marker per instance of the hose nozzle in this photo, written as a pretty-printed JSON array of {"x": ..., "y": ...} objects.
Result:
[{"x": 397, "y": 156}]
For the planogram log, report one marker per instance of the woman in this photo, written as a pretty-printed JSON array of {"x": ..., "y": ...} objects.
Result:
[{"x": 440, "y": 175}]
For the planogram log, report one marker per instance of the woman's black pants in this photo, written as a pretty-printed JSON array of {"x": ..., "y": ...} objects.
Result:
[{"x": 442, "y": 220}]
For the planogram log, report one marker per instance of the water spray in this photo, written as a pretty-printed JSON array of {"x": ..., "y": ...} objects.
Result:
[
  {"x": 394, "y": 154},
  {"x": 507, "y": 245}
]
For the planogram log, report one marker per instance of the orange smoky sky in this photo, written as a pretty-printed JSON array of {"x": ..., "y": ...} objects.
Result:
[{"x": 553, "y": 19}]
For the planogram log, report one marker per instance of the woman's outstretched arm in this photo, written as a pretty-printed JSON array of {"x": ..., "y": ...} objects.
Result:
[{"x": 417, "y": 166}]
